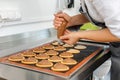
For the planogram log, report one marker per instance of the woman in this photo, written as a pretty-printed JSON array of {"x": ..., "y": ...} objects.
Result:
[{"x": 103, "y": 13}]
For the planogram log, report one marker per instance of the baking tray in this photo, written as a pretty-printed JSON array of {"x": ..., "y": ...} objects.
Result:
[{"x": 82, "y": 58}]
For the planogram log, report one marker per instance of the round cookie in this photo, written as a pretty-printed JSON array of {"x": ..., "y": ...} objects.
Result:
[
  {"x": 29, "y": 60},
  {"x": 44, "y": 63},
  {"x": 42, "y": 56},
  {"x": 55, "y": 59},
  {"x": 73, "y": 51},
  {"x": 59, "y": 48},
  {"x": 60, "y": 67},
  {"x": 68, "y": 45},
  {"x": 39, "y": 50},
  {"x": 17, "y": 57},
  {"x": 69, "y": 61},
  {"x": 28, "y": 54},
  {"x": 55, "y": 43},
  {"x": 48, "y": 46},
  {"x": 80, "y": 47},
  {"x": 66, "y": 55},
  {"x": 51, "y": 52}
]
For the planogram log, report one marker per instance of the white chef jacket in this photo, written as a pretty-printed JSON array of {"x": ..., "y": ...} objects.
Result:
[{"x": 106, "y": 11}]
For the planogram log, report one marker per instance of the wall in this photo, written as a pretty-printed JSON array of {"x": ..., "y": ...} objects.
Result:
[
  {"x": 30, "y": 9},
  {"x": 35, "y": 15}
]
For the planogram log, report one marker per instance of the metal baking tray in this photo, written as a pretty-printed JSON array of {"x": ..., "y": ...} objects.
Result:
[{"x": 82, "y": 58}]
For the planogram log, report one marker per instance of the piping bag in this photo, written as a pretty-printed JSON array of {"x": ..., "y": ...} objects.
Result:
[{"x": 61, "y": 30}]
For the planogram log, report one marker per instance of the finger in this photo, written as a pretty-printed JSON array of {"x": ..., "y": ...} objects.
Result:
[
  {"x": 64, "y": 37},
  {"x": 67, "y": 17},
  {"x": 65, "y": 41},
  {"x": 57, "y": 22},
  {"x": 56, "y": 26},
  {"x": 68, "y": 42},
  {"x": 67, "y": 32},
  {"x": 60, "y": 15},
  {"x": 63, "y": 15},
  {"x": 59, "y": 19}
]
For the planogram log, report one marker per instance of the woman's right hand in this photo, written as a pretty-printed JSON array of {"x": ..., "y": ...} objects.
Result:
[{"x": 59, "y": 18}]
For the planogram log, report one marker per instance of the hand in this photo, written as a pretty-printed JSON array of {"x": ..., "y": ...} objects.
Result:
[
  {"x": 70, "y": 37},
  {"x": 59, "y": 18}
]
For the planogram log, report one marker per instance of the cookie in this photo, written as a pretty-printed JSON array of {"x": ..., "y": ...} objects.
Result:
[
  {"x": 48, "y": 46},
  {"x": 29, "y": 60},
  {"x": 42, "y": 56},
  {"x": 60, "y": 48},
  {"x": 39, "y": 50},
  {"x": 28, "y": 54},
  {"x": 73, "y": 51},
  {"x": 51, "y": 52},
  {"x": 69, "y": 61},
  {"x": 55, "y": 43},
  {"x": 80, "y": 47},
  {"x": 17, "y": 57},
  {"x": 68, "y": 45},
  {"x": 44, "y": 63},
  {"x": 60, "y": 67},
  {"x": 66, "y": 55},
  {"x": 55, "y": 59}
]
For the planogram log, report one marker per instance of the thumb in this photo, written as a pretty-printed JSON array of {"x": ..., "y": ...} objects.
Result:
[{"x": 65, "y": 37}]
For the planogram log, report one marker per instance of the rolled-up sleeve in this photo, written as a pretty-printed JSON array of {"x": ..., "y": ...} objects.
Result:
[{"x": 110, "y": 12}]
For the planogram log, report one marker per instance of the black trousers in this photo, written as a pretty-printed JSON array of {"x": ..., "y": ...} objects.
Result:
[{"x": 115, "y": 59}]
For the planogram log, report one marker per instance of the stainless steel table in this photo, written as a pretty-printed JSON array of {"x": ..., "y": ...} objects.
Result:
[{"x": 19, "y": 42}]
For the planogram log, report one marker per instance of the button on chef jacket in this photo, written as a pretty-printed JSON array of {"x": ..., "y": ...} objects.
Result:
[{"x": 105, "y": 11}]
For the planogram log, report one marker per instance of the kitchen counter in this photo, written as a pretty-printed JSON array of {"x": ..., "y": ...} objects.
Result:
[{"x": 19, "y": 42}]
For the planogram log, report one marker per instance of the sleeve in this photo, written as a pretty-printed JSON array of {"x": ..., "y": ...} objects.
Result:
[{"x": 110, "y": 12}]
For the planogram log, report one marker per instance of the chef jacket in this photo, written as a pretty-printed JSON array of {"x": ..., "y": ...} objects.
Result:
[{"x": 104, "y": 11}]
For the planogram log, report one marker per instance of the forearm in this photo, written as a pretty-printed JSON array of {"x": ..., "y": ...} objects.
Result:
[
  {"x": 78, "y": 19},
  {"x": 103, "y": 35}
]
